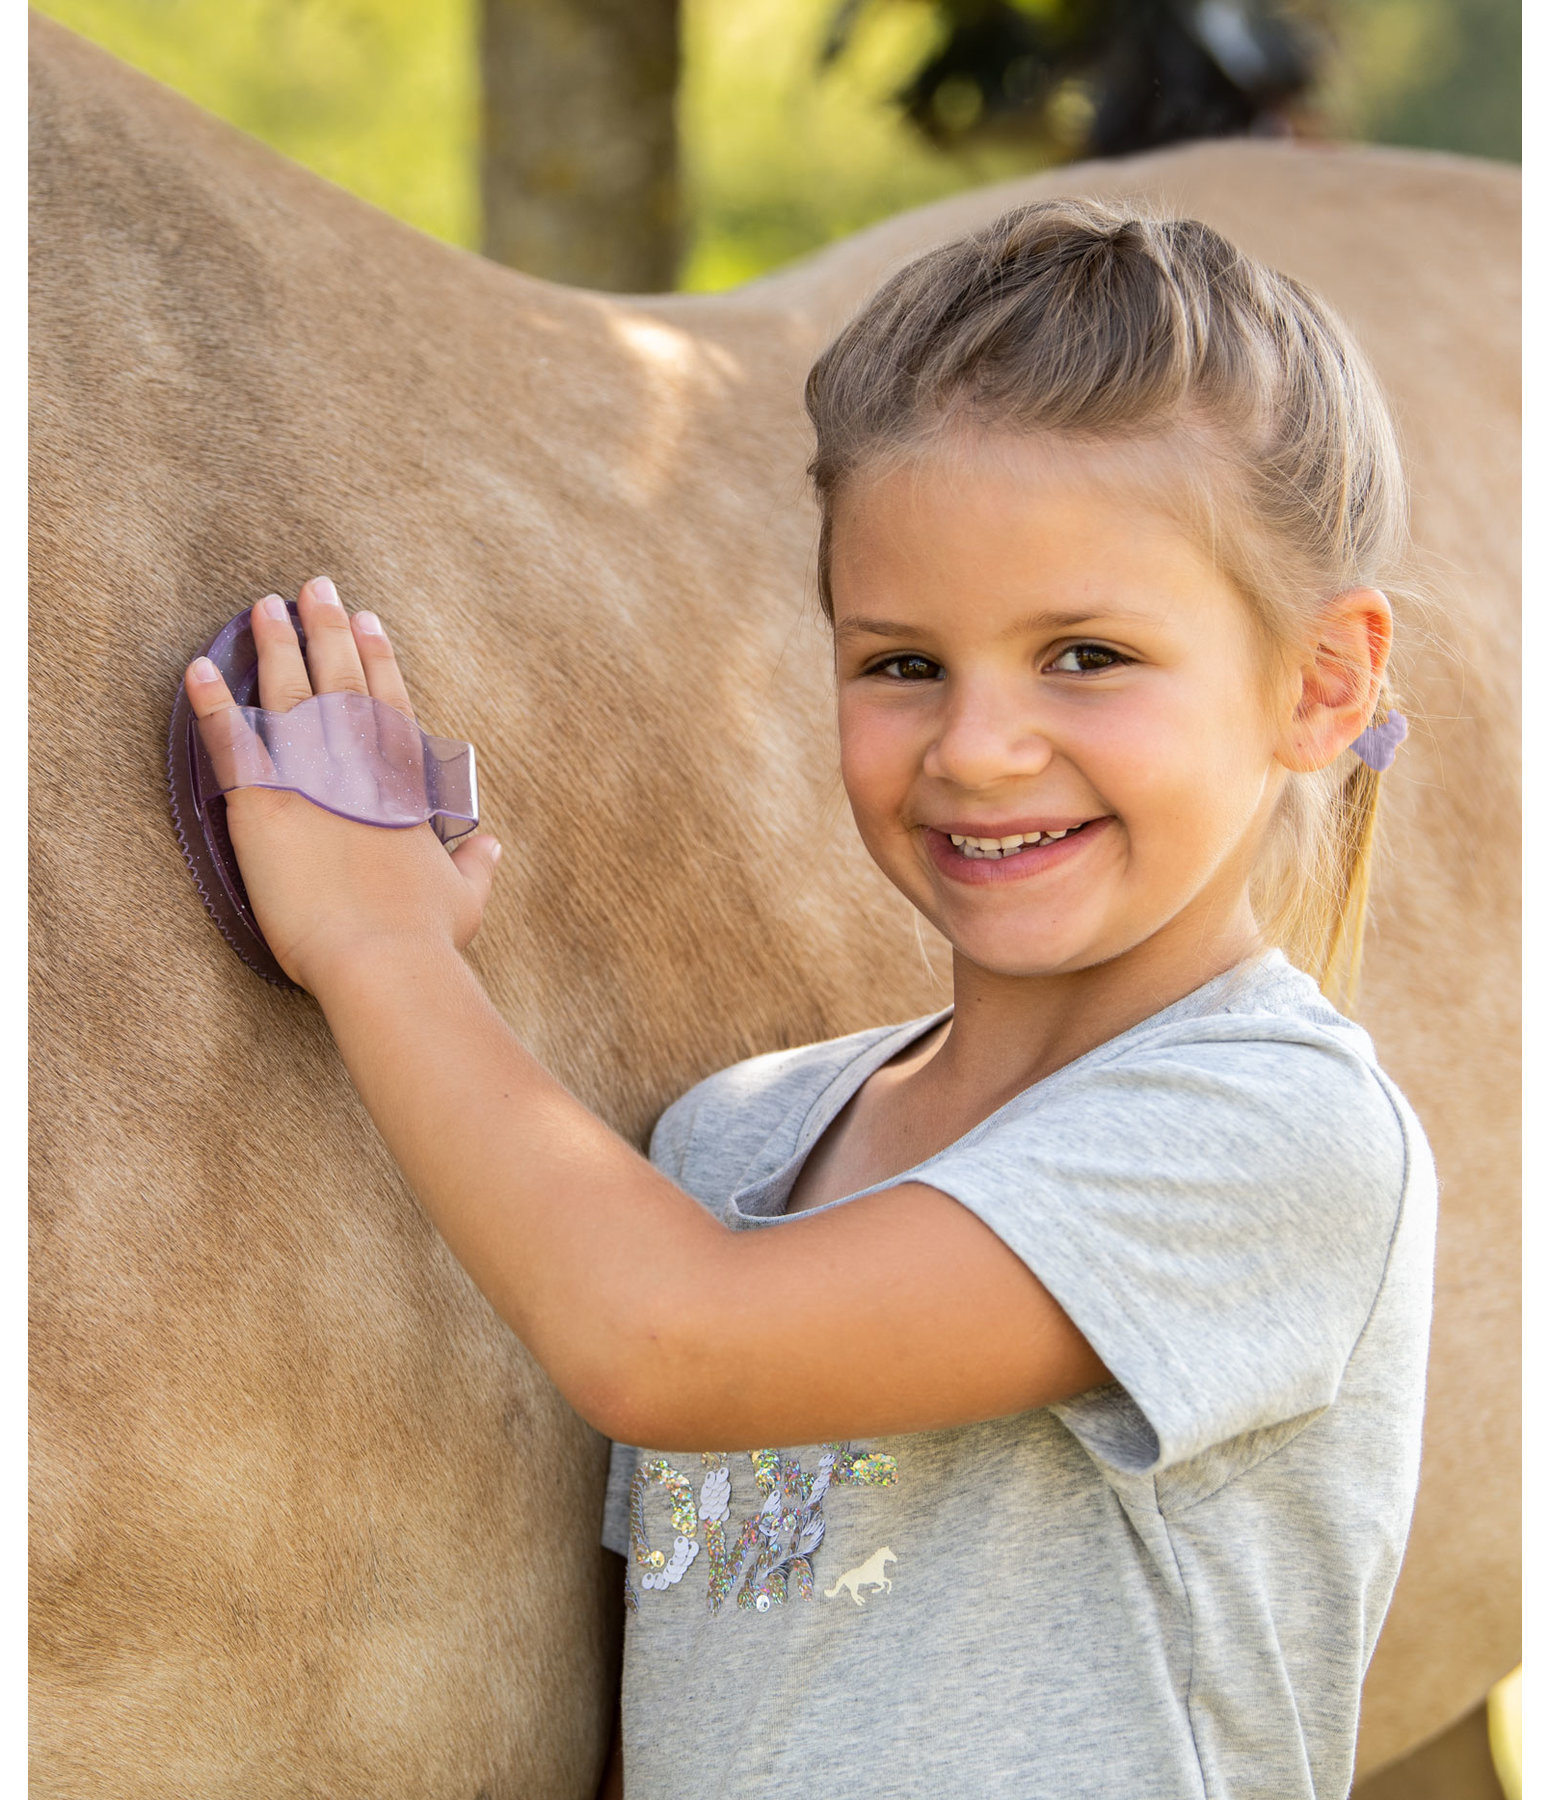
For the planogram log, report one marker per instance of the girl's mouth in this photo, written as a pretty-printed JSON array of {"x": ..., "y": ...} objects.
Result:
[{"x": 982, "y": 859}]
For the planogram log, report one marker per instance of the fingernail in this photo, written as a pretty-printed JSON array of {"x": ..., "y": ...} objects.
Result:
[
  {"x": 323, "y": 589},
  {"x": 495, "y": 853},
  {"x": 272, "y": 607},
  {"x": 370, "y": 624},
  {"x": 205, "y": 670}
]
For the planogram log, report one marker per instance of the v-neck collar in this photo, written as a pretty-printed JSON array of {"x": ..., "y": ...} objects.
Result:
[
  {"x": 765, "y": 1199},
  {"x": 763, "y": 1202}
]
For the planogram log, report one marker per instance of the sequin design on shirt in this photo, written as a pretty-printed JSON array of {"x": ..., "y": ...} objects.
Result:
[
  {"x": 769, "y": 1559},
  {"x": 661, "y": 1570}
]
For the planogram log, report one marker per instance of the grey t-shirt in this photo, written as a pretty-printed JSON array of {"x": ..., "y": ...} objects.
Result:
[{"x": 1169, "y": 1586}]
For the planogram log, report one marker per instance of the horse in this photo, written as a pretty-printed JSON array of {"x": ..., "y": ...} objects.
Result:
[{"x": 307, "y": 1518}]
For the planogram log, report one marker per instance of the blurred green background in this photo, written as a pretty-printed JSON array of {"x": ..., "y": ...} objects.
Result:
[{"x": 778, "y": 158}]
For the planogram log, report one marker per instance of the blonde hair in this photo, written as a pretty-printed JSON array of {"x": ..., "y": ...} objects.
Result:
[{"x": 1075, "y": 321}]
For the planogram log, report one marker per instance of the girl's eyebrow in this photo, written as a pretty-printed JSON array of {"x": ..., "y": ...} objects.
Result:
[
  {"x": 857, "y": 625},
  {"x": 854, "y": 626}
]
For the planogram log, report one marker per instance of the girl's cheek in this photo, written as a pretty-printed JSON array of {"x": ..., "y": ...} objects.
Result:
[{"x": 878, "y": 754}]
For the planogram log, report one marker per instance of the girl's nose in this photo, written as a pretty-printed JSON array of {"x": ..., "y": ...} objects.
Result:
[{"x": 986, "y": 736}]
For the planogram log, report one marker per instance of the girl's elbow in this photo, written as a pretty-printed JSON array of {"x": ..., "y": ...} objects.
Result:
[{"x": 642, "y": 1384}]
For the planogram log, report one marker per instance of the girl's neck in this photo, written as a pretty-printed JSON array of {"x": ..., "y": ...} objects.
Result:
[
  {"x": 1005, "y": 1034},
  {"x": 1008, "y": 1032}
]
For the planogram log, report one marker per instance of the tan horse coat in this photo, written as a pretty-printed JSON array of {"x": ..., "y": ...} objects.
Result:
[{"x": 308, "y": 1521}]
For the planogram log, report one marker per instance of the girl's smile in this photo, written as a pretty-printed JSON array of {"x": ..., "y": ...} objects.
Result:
[
  {"x": 1059, "y": 732},
  {"x": 983, "y": 854}
]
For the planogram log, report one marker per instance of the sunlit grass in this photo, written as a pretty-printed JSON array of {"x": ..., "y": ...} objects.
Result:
[
  {"x": 380, "y": 96},
  {"x": 780, "y": 156}
]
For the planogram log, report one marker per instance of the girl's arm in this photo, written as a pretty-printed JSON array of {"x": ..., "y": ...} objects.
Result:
[{"x": 897, "y": 1312}]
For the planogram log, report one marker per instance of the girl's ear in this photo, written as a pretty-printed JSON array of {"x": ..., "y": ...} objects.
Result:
[{"x": 1342, "y": 679}]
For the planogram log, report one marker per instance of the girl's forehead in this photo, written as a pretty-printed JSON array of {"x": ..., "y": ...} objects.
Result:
[
  {"x": 974, "y": 466},
  {"x": 1016, "y": 514}
]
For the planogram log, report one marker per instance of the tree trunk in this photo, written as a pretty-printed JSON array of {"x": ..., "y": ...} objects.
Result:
[{"x": 579, "y": 159}]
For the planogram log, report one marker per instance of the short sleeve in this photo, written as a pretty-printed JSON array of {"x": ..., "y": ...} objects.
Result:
[
  {"x": 670, "y": 1137},
  {"x": 1214, "y": 1216}
]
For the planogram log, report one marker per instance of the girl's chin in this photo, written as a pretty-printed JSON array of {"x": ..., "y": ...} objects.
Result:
[
  {"x": 1025, "y": 962},
  {"x": 1021, "y": 950}
]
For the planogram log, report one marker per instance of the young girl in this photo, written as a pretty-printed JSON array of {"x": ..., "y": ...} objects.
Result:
[{"x": 1031, "y": 1393}]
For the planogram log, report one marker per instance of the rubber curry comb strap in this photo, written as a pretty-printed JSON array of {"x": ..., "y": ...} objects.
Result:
[{"x": 356, "y": 756}]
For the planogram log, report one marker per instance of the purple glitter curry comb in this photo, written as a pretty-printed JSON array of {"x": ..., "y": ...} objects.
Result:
[{"x": 356, "y": 756}]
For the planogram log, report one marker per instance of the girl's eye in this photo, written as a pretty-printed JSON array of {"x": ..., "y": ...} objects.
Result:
[
  {"x": 908, "y": 668},
  {"x": 1086, "y": 659}
]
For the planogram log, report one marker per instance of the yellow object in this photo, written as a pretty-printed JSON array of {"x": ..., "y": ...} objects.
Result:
[{"x": 1504, "y": 1716}]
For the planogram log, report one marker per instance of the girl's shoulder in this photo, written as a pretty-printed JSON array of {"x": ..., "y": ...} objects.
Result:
[
  {"x": 1253, "y": 1068},
  {"x": 1264, "y": 1015},
  {"x": 1250, "y": 1113},
  {"x": 1267, "y": 996}
]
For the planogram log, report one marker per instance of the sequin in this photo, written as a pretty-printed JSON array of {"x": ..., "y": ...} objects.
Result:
[
  {"x": 684, "y": 1552},
  {"x": 662, "y": 1572},
  {"x": 726, "y": 1565},
  {"x": 766, "y": 1464},
  {"x": 716, "y": 1495},
  {"x": 872, "y": 1468},
  {"x": 809, "y": 1534},
  {"x": 771, "y": 1559},
  {"x": 764, "y": 1589}
]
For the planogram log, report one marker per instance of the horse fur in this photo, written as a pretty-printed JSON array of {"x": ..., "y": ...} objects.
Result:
[{"x": 308, "y": 1521}]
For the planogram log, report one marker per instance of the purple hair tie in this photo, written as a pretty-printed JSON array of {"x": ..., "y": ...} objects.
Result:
[{"x": 1378, "y": 744}]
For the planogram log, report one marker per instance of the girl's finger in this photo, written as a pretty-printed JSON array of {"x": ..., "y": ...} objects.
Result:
[
  {"x": 332, "y": 658},
  {"x": 383, "y": 680},
  {"x": 234, "y": 749},
  {"x": 475, "y": 859},
  {"x": 206, "y": 688},
  {"x": 282, "y": 672}
]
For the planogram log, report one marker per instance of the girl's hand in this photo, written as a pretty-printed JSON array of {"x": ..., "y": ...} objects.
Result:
[{"x": 327, "y": 891}]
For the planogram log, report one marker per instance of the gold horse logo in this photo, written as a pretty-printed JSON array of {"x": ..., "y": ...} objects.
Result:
[{"x": 869, "y": 1574}]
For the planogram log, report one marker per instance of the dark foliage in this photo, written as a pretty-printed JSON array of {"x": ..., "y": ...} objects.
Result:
[{"x": 1144, "y": 72}]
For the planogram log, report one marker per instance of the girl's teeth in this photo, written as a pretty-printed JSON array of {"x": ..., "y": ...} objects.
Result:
[{"x": 1003, "y": 846}]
